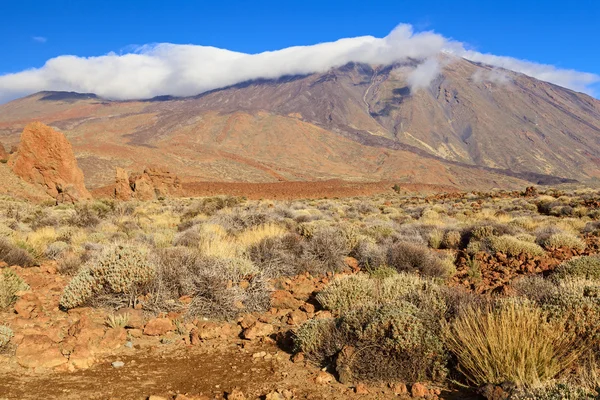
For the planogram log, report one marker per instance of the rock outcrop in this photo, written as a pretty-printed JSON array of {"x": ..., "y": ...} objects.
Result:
[
  {"x": 45, "y": 158},
  {"x": 149, "y": 185},
  {"x": 3, "y": 153}
]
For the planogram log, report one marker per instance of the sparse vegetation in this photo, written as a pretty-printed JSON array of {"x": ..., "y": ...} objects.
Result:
[{"x": 479, "y": 288}]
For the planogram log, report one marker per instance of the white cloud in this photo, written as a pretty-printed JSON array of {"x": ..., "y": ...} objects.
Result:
[
  {"x": 39, "y": 39},
  {"x": 423, "y": 74},
  {"x": 184, "y": 70}
]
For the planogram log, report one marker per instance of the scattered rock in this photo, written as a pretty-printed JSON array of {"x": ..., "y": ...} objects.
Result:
[
  {"x": 398, "y": 388},
  {"x": 283, "y": 299},
  {"x": 236, "y": 394},
  {"x": 158, "y": 326},
  {"x": 296, "y": 317},
  {"x": 118, "y": 364},
  {"x": 361, "y": 389},
  {"x": 28, "y": 305},
  {"x": 37, "y": 351},
  {"x": 323, "y": 378},
  {"x": 419, "y": 390},
  {"x": 257, "y": 330}
]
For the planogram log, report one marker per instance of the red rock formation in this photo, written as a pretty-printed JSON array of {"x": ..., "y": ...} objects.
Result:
[
  {"x": 151, "y": 184},
  {"x": 46, "y": 159},
  {"x": 3, "y": 153}
]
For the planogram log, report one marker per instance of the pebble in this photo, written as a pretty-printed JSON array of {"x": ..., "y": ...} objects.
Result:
[
  {"x": 129, "y": 345},
  {"x": 118, "y": 364}
]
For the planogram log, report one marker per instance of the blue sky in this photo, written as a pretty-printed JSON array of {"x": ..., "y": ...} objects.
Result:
[{"x": 560, "y": 33}]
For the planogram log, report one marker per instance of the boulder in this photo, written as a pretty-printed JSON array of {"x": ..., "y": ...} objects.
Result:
[
  {"x": 3, "y": 153},
  {"x": 123, "y": 190},
  {"x": 39, "y": 351},
  {"x": 158, "y": 326},
  {"x": 45, "y": 158},
  {"x": 257, "y": 330},
  {"x": 152, "y": 183}
]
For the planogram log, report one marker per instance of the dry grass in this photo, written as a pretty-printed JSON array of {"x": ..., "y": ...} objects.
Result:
[{"x": 513, "y": 343}]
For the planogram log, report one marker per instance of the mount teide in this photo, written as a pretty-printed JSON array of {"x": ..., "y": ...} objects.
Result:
[{"x": 472, "y": 127}]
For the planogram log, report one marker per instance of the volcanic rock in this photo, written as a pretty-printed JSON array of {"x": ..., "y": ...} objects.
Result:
[
  {"x": 152, "y": 183},
  {"x": 46, "y": 159},
  {"x": 3, "y": 153}
]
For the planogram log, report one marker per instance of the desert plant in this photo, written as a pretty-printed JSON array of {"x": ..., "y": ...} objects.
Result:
[
  {"x": 587, "y": 267},
  {"x": 377, "y": 343},
  {"x": 512, "y": 246},
  {"x": 117, "y": 320},
  {"x": 451, "y": 239},
  {"x": 554, "y": 391},
  {"x": 118, "y": 270},
  {"x": 410, "y": 257},
  {"x": 511, "y": 343},
  {"x": 13, "y": 255},
  {"x": 563, "y": 239},
  {"x": 10, "y": 284},
  {"x": 5, "y": 335}
]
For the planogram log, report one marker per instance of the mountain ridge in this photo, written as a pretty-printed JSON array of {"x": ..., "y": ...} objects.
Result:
[{"x": 471, "y": 118}]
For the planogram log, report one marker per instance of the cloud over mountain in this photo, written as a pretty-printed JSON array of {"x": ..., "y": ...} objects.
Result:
[{"x": 184, "y": 70}]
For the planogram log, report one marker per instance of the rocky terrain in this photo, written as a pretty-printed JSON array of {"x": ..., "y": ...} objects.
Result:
[{"x": 219, "y": 297}]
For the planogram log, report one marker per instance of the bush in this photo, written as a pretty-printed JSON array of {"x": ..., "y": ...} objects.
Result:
[
  {"x": 587, "y": 267},
  {"x": 563, "y": 239},
  {"x": 410, "y": 257},
  {"x": 452, "y": 240},
  {"x": 369, "y": 254},
  {"x": 10, "y": 284},
  {"x": 5, "y": 335},
  {"x": 55, "y": 250},
  {"x": 513, "y": 247},
  {"x": 376, "y": 343},
  {"x": 535, "y": 288},
  {"x": 512, "y": 343},
  {"x": 325, "y": 251},
  {"x": 220, "y": 288},
  {"x": 118, "y": 270},
  {"x": 13, "y": 255},
  {"x": 277, "y": 257},
  {"x": 554, "y": 391}
]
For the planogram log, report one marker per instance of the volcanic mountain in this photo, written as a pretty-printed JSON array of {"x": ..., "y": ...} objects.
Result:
[{"x": 474, "y": 126}]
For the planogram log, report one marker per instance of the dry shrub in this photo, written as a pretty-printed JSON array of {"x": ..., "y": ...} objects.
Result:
[
  {"x": 325, "y": 251},
  {"x": 211, "y": 205},
  {"x": 587, "y": 267},
  {"x": 512, "y": 343},
  {"x": 451, "y": 240},
  {"x": 554, "y": 391},
  {"x": 278, "y": 256},
  {"x": 563, "y": 239},
  {"x": 379, "y": 343},
  {"x": 5, "y": 335},
  {"x": 13, "y": 255},
  {"x": 512, "y": 246},
  {"x": 369, "y": 254},
  {"x": 10, "y": 284},
  {"x": 410, "y": 257},
  {"x": 119, "y": 272},
  {"x": 220, "y": 288}
]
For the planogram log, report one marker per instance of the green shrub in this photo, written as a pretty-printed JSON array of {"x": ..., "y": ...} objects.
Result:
[
  {"x": 512, "y": 246},
  {"x": 563, "y": 239},
  {"x": 5, "y": 335},
  {"x": 587, "y": 267},
  {"x": 118, "y": 270},
  {"x": 554, "y": 391},
  {"x": 10, "y": 284},
  {"x": 377, "y": 343}
]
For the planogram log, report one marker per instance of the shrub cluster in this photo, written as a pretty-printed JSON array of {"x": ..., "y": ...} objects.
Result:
[{"x": 10, "y": 284}]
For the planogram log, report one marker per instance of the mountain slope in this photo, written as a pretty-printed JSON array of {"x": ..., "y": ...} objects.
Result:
[{"x": 473, "y": 127}]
